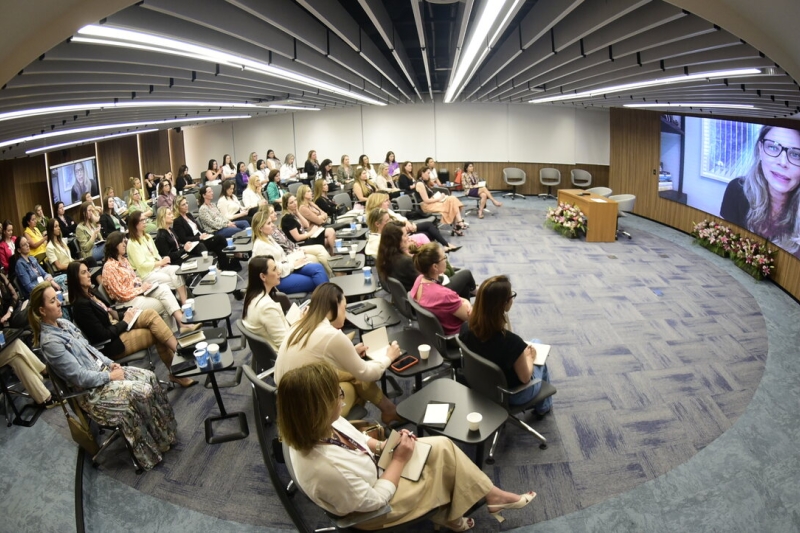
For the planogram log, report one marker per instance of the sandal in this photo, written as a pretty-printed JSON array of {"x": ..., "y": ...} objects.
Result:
[
  {"x": 524, "y": 500},
  {"x": 480, "y": 213},
  {"x": 457, "y": 231}
]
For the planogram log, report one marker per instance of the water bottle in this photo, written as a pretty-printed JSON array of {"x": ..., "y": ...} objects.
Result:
[{"x": 153, "y": 196}]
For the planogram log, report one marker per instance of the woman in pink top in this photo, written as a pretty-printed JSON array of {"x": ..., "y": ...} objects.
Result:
[{"x": 445, "y": 303}]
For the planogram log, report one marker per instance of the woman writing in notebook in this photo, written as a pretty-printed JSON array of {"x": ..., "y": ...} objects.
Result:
[
  {"x": 488, "y": 334},
  {"x": 337, "y": 466}
]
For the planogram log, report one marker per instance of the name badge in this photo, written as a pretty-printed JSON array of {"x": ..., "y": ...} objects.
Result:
[
  {"x": 99, "y": 364},
  {"x": 39, "y": 279}
]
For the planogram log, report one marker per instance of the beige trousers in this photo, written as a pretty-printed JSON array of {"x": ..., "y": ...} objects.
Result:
[
  {"x": 148, "y": 330},
  {"x": 27, "y": 367},
  {"x": 357, "y": 392}
]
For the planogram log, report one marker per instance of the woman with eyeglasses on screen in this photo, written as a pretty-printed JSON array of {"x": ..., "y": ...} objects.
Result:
[
  {"x": 488, "y": 334},
  {"x": 766, "y": 200}
]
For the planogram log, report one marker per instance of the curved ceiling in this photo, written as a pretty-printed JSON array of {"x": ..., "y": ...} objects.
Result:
[{"x": 168, "y": 63}]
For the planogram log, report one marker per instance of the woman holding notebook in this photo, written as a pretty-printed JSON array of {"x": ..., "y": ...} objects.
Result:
[
  {"x": 487, "y": 334},
  {"x": 338, "y": 467}
]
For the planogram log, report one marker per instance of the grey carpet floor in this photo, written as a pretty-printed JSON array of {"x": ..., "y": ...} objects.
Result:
[{"x": 644, "y": 381}]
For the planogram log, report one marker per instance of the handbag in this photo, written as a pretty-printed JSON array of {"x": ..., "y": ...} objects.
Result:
[{"x": 81, "y": 433}]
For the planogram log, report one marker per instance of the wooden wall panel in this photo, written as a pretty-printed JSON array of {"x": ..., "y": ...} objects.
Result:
[
  {"x": 155, "y": 156},
  {"x": 117, "y": 162},
  {"x": 635, "y": 152},
  {"x": 177, "y": 154},
  {"x": 24, "y": 185}
]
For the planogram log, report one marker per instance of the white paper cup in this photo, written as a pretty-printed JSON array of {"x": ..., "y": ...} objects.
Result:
[
  {"x": 201, "y": 346},
  {"x": 474, "y": 420},
  {"x": 352, "y": 254},
  {"x": 204, "y": 254},
  {"x": 190, "y": 302},
  {"x": 424, "y": 351}
]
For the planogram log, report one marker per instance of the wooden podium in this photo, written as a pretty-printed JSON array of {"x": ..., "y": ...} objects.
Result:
[{"x": 601, "y": 213}]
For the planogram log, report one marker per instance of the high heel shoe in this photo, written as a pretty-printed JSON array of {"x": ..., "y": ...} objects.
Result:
[
  {"x": 456, "y": 231},
  {"x": 183, "y": 382},
  {"x": 524, "y": 500},
  {"x": 462, "y": 524}
]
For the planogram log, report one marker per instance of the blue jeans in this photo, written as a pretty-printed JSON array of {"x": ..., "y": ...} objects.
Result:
[
  {"x": 229, "y": 231},
  {"x": 99, "y": 252},
  {"x": 304, "y": 279},
  {"x": 539, "y": 372}
]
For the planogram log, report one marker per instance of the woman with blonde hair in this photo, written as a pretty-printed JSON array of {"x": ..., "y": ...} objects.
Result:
[
  {"x": 322, "y": 201},
  {"x": 344, "y": 174},
  {"x": 251, "y": 198},
  {"x": 318, "y": 337},
  {"x": 336, "y": 465},
  {"x": 298, "y": 274},
  {"x": 315, "y": 253},
  {"x": 307, "y": 207},
  {"x": 311, "y": 167},
  {"x": 421, "y": 232},
  {"x": 147, "y": 262},
  {"x": 363, "y": 186},
  {"x": 88, "y": 232},
  {"x": 288, "y": 168},
  {"x": 167, "y": 242},
  {"x": 472, "y": 183},
  {"x": 138, "y": 204},
  {"x": 384, "y": 181},
  {"x": 448, "y": 206},
  {"x": 252, "y": 167}
]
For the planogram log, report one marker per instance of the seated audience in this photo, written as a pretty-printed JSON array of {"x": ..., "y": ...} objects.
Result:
[
  {"x": 430, "y": 164},
  {"x": 385, "y": 182},
  {"x": 102, "y": 324},
  {"x": 376, "y": 220},
  {"x": 300, "y": 230},
  {"x": 488, "y": 334},
  {"x": 311, "y": 167},
  {"x": 167, "y": 243},
  {"x": 420, "y": 232},
  {"x": 251, "y": 198},
  {"x": 68, "y": 225},
  {"x": 120, "y": 206},
  {"x": 28, "y": 271},
  {"x": 448, "y": 206},
  {"x": 186, "y": 229},
  {"x": 252, "y": 164},
  {"x": 336, "y": 465},
  {"x": 321, "y": 200},
  {"x": 470, "y": 181},
  {"x": 88, "y": 233},
  {"x": 228, "y": 168},
  {"x": 394, "y": 258},
  {"x": 363, "y": 186},
  {"x": 242, "y": 178},
  {"x": 8, "y": 245},
  {"x": 315, "y": 253},
  {"x": 274, "y": 193},
  {"x": 273, "y": 163},
  {"x": 363, "y": 162},
  {"x": 288, "y": 169},
  {"x": 229, "y": 205},
  {"x": 213, "y": 173},
  {"x": 213, "y": 220},
  {"x": 261, "y": 314},
  {"x": 443, "y": 301},
  {"x": 405, "y": 182},
  {"x": 326, "y": 168},
  {"x": 391, "y": 163},
  {"x": 124, "y": 286},
  {"x": 147, "y": 262},
  {"x": 344, "y": 174},
  {"x": 109, "y": 220},
  {"x": 307, "y": 207},
  {"x": 129, "y": 397},
  {"x": 41, "y": 219},
  {"x": 151, "y": 185},
  {"x": 36, "y": 240},
  {"x": 138, "y": 204},
  {"x": 298, "y": 274},
  {"x": 57, "y": 252},
  {"x": 184, "y": 182},
  {"x": 318, "y": 337},
  {"x": 166, "y": 198},
  {"x": 28, "y": 368},
  {"x": 14, "y": 310}
]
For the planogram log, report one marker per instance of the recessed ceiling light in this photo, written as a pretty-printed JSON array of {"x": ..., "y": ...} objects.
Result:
[
  {"x": 295, "y": 107},
  {"x": 697, "y": 105},
  {"x": 92, "y": 139}
]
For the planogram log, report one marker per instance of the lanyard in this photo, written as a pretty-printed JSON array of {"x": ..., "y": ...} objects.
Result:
[{"x": 358, "y": 448}]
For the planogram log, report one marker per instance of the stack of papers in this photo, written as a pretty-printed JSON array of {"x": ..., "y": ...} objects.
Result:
[{"x": 189, "y": 265}]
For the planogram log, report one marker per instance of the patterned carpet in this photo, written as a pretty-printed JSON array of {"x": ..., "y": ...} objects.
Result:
[{"x": 644, "y": 380}]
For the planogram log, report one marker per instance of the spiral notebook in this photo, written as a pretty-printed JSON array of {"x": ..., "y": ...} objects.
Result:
[{"x": 413, "y": 469}]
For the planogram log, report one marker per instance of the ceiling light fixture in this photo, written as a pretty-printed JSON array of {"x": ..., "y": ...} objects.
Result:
[
  {"x": 697, "y": 105},
  {"x": 92, "y": 139},
  {"x": 645, "y": 84},
  {"x": 294, "y": 107},
  {"x": 25, "y": 113},
  {"x": 491, "y": 11},
  {"x": 40, "y": 136},
  {"x": 132, "y": 39}
]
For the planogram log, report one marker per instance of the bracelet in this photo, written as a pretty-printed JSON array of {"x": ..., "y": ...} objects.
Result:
[{"x": 379, "y": 447}]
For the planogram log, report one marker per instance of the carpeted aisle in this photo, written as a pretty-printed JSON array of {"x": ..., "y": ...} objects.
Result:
[{"x": 644, "y": 381}]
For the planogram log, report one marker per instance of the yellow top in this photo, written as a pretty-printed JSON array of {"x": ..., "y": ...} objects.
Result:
[{"x": 34, "y": 235}]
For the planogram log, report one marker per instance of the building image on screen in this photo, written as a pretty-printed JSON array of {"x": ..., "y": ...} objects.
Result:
[
  {"x": 70, "y": 181},
  {"x": 745, "y": 173}
]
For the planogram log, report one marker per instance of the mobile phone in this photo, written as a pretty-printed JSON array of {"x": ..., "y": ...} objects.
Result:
[{"x": 404, "y": 363}]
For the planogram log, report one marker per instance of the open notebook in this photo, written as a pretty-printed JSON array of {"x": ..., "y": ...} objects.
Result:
[
  {"x": 542, "y": 351},
  {"x": 413, "y": 469}
]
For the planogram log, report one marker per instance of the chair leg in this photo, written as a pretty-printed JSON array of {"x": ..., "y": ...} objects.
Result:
[
  {"x": 530, "y": 430},
  {"x": 490, "y": 458}
]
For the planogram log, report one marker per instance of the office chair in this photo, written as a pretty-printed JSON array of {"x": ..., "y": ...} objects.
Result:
[
  {"x": 515, "y": 177},
  {"x": 602, "y": 191},
  {"x": 549, "y": 177},
  {"x": 293, "y": 188},
  {"x": 486, "y": 378},
  {"x": 343, "y": 198},
  {"x": 400, "y": 299},
  {"x": 434, "y": 334},
  {"x": 217, "y": 189},
  {"x": 580, "y": 178},
  {"x": 264, "y": 355},
  {"x": 625, "y": 204}
]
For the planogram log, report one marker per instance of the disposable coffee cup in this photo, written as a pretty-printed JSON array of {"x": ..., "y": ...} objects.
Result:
[
  {"x": 230, "y": 242},
  {"x": 474, "y": 421},
  {"x": 190, "y": 301},
  {"x": 424, "y": 351},
  {"x": 187, "y": 311},
  {"x": 367, "y": 273},
  {"x": 352, "y": 254},
  {"x": 201, "y": 356},
  {"x": 204, "y": 254},
  {"x": 249, "y": 232},
  {"x": 60, "y": 296},
  {"x": 358, "y": 227},
  {"x": 201, "y": 346},
  {"x": 353, "y": 247},
  {"x": 214, "y": 354}
]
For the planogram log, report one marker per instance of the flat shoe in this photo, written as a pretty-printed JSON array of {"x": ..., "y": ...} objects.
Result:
[
  {"x": 188, "y": 329},
  {"x": 524, "y": 500}
]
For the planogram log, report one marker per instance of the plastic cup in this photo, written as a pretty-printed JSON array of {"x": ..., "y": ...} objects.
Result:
[
  {"x": 352, "y": 226},
  {"x": 187, "y": 311},
  {"x": 424, "y": 351},
  {"x": 249, "y": 232},
  {"x": 358, "y": 227},
  {"x": 230, "y": 242},
  {"x": 203, "y": 345},
  {"x": 353, "y": 247},
  {"x": 190, "y": 301},
  {"x": 212, "y": 269},
  {"x": 201, "y": 356},
  {"x": 60, "y": 296},
  {"x": 214, "y": 354},
  {"x": 204, "y": 254},
  {"x": 367, "y": 274},
  {"x": 474, "y": 421},
  {"x": 2, "y": 339},
  {"x": 338, "y": 244},
  {"x": 352, "y": 254}
]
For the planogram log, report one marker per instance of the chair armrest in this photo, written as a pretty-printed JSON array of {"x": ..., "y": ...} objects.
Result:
[
  {"x": 344, "y": 522},
  {"x": 521, "y": 388},
  {"x": 266, "y": 373},
  {"x": 100, "y": 345}
]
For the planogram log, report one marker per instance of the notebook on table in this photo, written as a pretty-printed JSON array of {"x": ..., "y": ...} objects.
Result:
[{"x": 437, "y": 414}]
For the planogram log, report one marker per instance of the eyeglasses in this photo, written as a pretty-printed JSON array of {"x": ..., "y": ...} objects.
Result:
[
  {"x": 773, "y": 149},
  {"x": 341, "y": 393},
  {"x": 442, "y": 259},
  {"x": 513, "y": 295}
]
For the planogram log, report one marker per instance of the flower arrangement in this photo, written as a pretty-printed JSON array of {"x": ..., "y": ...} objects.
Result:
[
  {"x": 753, "y": 257},
  {"x": 566, "y": 219}
]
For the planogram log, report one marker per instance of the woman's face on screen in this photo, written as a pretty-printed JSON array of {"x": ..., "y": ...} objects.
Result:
[
  {"x": 782, "y": 176},
  {"x": 78, "y": 170}
]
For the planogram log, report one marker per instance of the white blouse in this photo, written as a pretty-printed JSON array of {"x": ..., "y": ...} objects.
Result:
[
  {"x": 229, "y": 207},
  {"x": 265, "y": 318},
  {"x": 228, "y": 172},
  {"x": 263, "y": 248},
  {"x": 288, "y": 172},
  {"x": 250, "y": 198}
]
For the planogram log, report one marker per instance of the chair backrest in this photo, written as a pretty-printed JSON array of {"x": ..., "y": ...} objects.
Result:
[
  {"x": 217, "y": 189},
  {"x": 48, "y": 267},
  {"x": 443, "y": 174},
  {"x": 293, "y": 188},
  {"x": 191, "y": 201},
  {"x": 458, "y": 181},
  {"x": 265, "y": 397},
  {"x": 482, "y": 375},
  {"x": 400, "y": 298},
  {"x": 602, "y": 191},
  {"x": 550, "y": 176},
  {"x": 625, "y": 202},
  {"x": 343, "y": 198},
  {"x": 101, "y": 291},
  {"x": 404, "y": 203},
  {"x": 580, "y": 178},
  {"x": 82, "y": 432},
  {"x": 264, "y": 355},
  {"x": 431, "y": 328},
  {"x": 514, "y": 176}
]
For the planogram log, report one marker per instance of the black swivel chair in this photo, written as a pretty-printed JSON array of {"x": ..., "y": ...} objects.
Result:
[
  {"x": 486, "y": 378},
  {"x": 434, "y": 334},
  {"x": 400, "y": 298}
]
